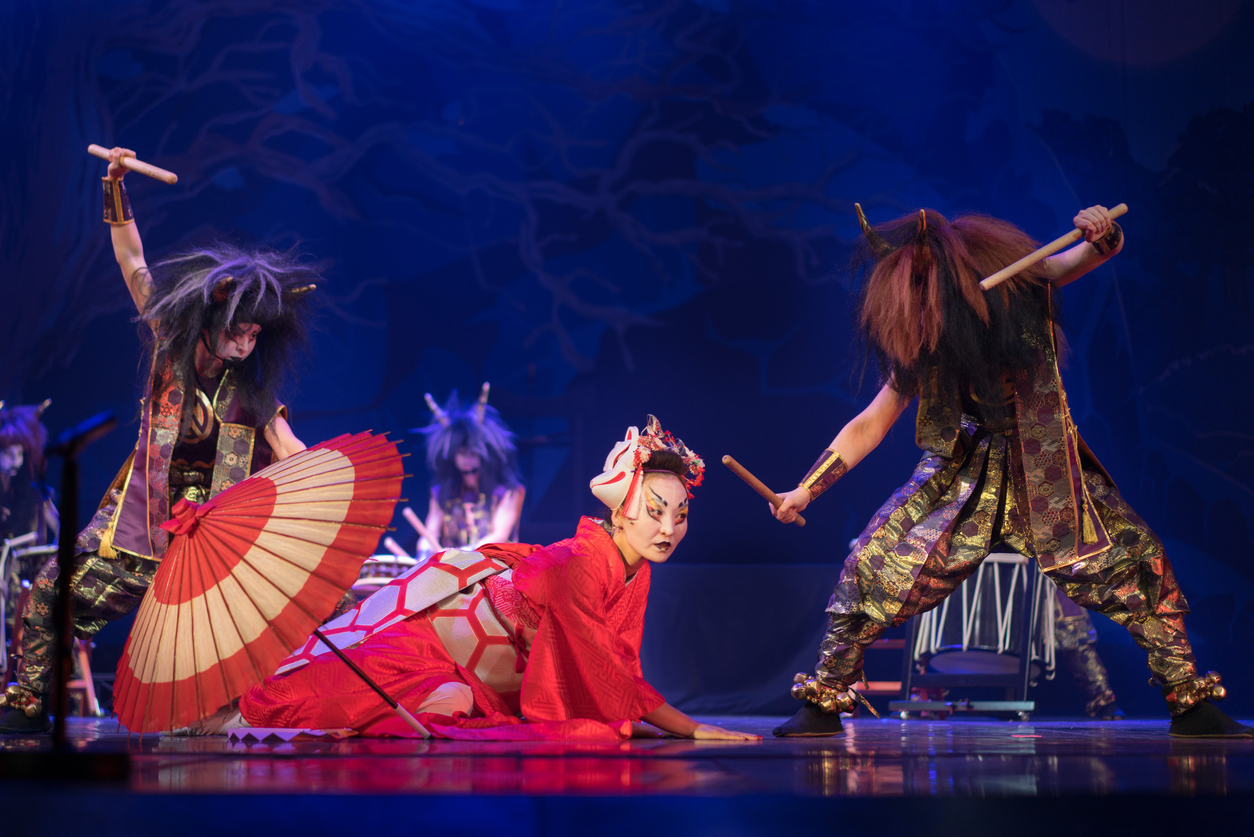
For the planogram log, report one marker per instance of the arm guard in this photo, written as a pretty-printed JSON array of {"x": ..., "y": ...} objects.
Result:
[
  {"x": 823, "y": 474},
  {"x": 117, "y": 206}
]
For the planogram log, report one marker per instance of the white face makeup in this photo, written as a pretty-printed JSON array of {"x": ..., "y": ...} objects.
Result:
[
  {"x": 661, "y": 523},
  {"x": 11, "y": 458},
  {"x": 237, "y": 343}
]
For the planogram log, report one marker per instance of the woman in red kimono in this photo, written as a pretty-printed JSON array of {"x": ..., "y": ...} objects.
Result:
[{"x": 473, "y": 643}]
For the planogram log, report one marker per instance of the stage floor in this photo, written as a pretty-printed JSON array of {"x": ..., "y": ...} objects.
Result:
[{"x": 876, "y": 768}]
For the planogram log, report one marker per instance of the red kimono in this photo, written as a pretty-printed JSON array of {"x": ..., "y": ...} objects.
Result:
[{"x": 565, "y": 616}]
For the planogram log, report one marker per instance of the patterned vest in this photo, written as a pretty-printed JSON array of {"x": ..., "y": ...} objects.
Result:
[
  {"x": 145, "y": 478},
  {"x": 1064, "y": 524}
]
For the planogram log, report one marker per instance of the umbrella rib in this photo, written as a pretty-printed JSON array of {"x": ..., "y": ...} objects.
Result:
[
  {"x": 260, "y": 675},
  {"x": 231, "y": 606},
  {"x": 346, "y": 524},
  {"x": 328, "y": 460},
  {"x": 290, "y": 562},
  {"x": 289, "y": 487},
  {"x": 288, "y": 508},
  {"x": 244, "y": 559},
  {"x": 199, "y": 569},
  {"x": 314, "y": 572},
  {"x": 248, "y": 655},
  {"x": 310, "y": 572},
  {"x": 182, "y": 568},
  {"x": 226, "y": 549},
  {"x": 190, "y": 573},
  {"x": 130, "y": 651},
  {"x": 316, "y": 466},
  {"x": 141, "y": 661}
]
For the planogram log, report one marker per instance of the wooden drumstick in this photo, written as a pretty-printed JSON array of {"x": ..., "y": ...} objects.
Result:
[
  {"x": 418, "y": 525},
  {"x": 135, "y": 165},
  {"x": 395, "y": 548},
  {"x": 1045, "y": 252},
  {"x": 756, "y": 484}
]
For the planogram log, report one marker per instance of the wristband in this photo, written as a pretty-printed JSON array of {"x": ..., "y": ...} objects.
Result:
[
  {"x": 117, "y": 206},
  {"x": 1108, "y": 243},
  {"x": 823, "y": 474}
]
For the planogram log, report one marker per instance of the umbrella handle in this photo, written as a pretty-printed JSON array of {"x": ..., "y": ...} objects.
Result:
[{"x": 412, "y": 721}]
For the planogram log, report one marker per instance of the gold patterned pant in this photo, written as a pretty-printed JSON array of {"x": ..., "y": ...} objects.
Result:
[
  {"x": 20, "y": 569},
  {"x": 934, "y": 532},
  {"x": 103, "y": 589}
]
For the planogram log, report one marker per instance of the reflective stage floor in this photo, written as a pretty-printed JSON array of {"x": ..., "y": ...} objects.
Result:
[{"x": 968, "y": 776}]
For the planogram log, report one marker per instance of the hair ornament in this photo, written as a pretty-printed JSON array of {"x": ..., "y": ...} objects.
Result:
[{"x": 627, "y": 463}]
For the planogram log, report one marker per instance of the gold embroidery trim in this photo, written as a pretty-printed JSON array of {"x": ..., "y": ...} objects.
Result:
[
  {"x": 1083, "y": 520},
  {"x": 824, "y": 473}
]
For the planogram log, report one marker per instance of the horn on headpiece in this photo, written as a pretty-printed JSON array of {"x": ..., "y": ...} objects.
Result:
[
  {"x": 299, "y": 293},
  {"x": 922, "y": 224},
  {"x": 222, "y": 290},
  {"x": 39, "y": 411},
  {"x": 879, "y": 246},
  {"x": 481, "y": 407},
  {"x": 440, "y": 415}
]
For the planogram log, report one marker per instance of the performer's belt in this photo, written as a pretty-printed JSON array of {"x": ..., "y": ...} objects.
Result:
[
  {"x": 189, "y": 485},
  {"x": 1004, "y": 427},
  {"x": 183, "y": 478}
]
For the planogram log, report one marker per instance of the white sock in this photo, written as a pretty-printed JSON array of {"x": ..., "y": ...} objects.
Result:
[{"x": 447, "y": 699}]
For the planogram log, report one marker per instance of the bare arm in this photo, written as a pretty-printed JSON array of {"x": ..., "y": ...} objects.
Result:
[
  {"x": 504, "y": 519},
  {"x": 868, "y": 428},
  {"x": 128, "y": 248},
  {"x": 435, "y": 523},
  {"x": 281, "y": 439},
  {"x": 670, "y": 719},
  {"x": 1071, "y": 264},
  {"x": 855, "y": 440}
]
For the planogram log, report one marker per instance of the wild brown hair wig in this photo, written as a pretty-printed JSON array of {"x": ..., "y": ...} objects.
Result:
[{"x": 924, "y": 317}]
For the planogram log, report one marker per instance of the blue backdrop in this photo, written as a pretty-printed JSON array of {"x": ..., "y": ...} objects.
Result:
[{"x": 614, "y": 208}]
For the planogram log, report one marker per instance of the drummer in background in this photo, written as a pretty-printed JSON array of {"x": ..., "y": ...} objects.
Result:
[
  {"x": 25, "y": 501},
  {"x": 476, "y": 492}
]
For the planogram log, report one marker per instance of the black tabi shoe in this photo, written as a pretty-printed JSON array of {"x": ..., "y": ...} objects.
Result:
[
  {"x": 17, "y": 722},
  {"x": 810, "y": 722},
  {"x": 1206, "y": 720}
]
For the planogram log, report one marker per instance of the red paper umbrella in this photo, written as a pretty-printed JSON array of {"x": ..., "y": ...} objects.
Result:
[{"x": 249, "y": 574}]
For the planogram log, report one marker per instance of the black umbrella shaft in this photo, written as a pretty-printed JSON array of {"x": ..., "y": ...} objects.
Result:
[{"x": 366, "y": 679}]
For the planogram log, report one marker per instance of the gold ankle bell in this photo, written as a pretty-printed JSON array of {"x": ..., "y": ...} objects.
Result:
[
  {"x": 1184, "y": 696},
  {"x": 828, "y": 698},
  {"x": 15, "y": 697}
]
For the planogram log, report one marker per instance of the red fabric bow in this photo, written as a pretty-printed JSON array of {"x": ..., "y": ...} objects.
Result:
[{"x": 186, "y": 515}]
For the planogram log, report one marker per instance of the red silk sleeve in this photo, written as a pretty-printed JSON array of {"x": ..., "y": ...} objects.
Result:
[{"x": 585, "y": 659}]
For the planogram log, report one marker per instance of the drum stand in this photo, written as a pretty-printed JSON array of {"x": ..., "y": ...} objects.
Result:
[{"x": 1014, "y": 683}]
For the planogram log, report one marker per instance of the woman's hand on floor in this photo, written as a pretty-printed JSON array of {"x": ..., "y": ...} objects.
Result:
[{"x": 709, "y": 732}]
